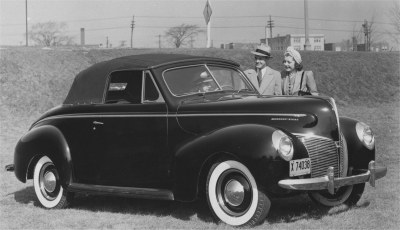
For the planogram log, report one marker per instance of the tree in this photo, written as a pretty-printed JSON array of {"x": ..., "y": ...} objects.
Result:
[
  {"x": 50, "y": 34},
  {"x": 178, "y": 34},
  {"x": 394, "y": 17}
]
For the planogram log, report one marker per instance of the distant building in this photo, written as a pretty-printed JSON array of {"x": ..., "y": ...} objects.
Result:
[
  {"x": 380, "y": 46},
  {"x": 329, "y": 46},
  {"x": 341, "y": 46},
  {"x": 317, "y": 41},
  {"x": 232, "y": 45}
]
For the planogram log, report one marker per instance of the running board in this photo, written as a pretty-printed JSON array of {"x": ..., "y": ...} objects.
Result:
[{"x": 146, "y": 193}]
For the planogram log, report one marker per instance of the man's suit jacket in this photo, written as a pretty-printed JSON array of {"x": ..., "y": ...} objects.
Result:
[{"x": 271, "y": 83}]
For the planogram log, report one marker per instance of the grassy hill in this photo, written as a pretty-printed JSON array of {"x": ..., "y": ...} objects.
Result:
[
  {"x": 365, "y": 85},
  {"x": 33, "y": 80}
]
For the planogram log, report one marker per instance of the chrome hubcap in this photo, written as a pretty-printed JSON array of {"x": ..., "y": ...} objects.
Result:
[
  {"x": 49, "y": 181},
  {"x": 234, "y": 193}
]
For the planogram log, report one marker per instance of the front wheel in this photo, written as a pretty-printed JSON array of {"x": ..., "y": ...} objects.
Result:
[
  {"x": 233, "y": 195},
  {"x": 48, "y": 189},
  {"x": 349, "y": 195}
]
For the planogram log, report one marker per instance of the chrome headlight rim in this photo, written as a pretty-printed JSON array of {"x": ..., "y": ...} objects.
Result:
[
  {"x": 283, "y": 145},
  {"x": 365, "y": 135}
]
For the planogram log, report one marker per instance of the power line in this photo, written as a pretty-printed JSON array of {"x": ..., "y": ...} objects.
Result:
[
  {"x": 219, "y": 27},
  {"x": 216, "y": 17}
]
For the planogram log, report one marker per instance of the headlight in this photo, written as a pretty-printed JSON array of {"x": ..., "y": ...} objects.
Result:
[
  {"x": 283, "y": 144},
  {"x": 365, "y": 134}
]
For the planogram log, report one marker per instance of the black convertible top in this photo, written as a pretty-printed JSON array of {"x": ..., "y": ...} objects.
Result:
[{"x": 88, "y": 86}]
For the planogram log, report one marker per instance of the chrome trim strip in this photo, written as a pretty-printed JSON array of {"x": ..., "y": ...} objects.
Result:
[
  {"x": 329, "y": 182},
  {"x": 161, "y": 194},
  {"x": 311, "y": 135},
  {"x": 86, "y": 115},
  {"x": 243, "y": 114}
]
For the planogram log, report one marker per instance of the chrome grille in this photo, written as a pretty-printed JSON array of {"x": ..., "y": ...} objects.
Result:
[
  {"x": 341, "y": 155},
  {"x": 323, "y": 153}
]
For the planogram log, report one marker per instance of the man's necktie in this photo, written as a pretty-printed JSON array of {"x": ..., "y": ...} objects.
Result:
[{"x": 259, "y": 77}]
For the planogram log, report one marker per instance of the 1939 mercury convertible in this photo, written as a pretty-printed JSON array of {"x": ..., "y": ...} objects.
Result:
[{"x": 180, "y": 127}]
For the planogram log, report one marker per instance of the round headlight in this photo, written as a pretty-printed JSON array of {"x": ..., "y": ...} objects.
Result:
[
  {"x": 365, "y": 134},
  {"x": 283, "y": 144}
]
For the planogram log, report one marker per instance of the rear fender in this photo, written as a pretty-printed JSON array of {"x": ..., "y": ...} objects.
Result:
[
  {"x": 359, "y": 156},
  {"x": 44, "y": 140},
  {"x": 249, "y": 143}
]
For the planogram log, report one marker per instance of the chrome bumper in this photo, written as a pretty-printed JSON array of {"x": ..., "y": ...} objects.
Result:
[{"x": 330, "y": 183}]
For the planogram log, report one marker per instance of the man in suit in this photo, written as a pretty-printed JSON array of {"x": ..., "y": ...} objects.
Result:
[{"x": 266, "y": 80}]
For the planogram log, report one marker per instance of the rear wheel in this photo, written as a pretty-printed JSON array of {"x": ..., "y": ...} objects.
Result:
[
  {"x": 233, "y": 195},
  {"x": 48, "y": 189}
]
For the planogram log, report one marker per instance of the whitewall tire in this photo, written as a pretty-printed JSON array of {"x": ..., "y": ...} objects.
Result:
[
  {"x": 233, "y": 195},
  {"x": 46, "y": 182}
]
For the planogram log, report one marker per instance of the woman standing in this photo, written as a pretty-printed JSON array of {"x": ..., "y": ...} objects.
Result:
[{"x": 295, "y": 80}]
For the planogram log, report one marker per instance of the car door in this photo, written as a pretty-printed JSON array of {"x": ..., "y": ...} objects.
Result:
[{"x": 133, "y": 130}]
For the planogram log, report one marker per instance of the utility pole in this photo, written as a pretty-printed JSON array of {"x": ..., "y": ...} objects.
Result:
[
  {"x": 366, "y": 35},
  {"x": 270, "y": 24},
  {"x": 191, "y": 41},
  {"x": 307, "y": 45},
  {"x": 26, "y": 21},
  {"x": 107, "y": 42},
  {"x": 132, "y": 26},
  {"x": 159, "y": 41}
]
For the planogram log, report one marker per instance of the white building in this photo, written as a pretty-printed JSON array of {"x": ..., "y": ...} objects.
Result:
[{"x": 317, "y": 41}]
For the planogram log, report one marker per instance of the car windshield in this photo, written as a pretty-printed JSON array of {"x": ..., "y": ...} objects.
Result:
[{"x": 204, "y": 79}]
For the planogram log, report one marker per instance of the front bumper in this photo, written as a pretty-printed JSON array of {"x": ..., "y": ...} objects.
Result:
[{"x": 330, "y": 183}]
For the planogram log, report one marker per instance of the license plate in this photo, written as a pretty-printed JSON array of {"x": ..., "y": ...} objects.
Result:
[{"x": 300, "y": 167}]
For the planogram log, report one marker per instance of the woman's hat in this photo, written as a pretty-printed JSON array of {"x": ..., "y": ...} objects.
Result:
[
  {"x": 263, "y": 51},
  {"x": 290, "y": 51}
]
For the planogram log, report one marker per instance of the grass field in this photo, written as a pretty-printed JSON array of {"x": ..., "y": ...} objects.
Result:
[{"x": 365, "y": 85}]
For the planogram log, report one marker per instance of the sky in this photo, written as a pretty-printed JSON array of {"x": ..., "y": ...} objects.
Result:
[{"x": 238, "y": 21}]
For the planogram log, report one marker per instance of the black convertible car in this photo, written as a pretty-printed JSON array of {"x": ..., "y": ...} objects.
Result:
[{"x": 180, "y": 127}]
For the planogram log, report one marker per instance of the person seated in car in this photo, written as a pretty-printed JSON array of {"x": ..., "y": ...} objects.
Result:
[{"x": 206, "y": 85}]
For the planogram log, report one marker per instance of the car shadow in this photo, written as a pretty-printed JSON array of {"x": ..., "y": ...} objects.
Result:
[
  {"x": 283, "y": 210},
  {"x": 98, "y": 203},
  {"x": 301, "y": 207}
]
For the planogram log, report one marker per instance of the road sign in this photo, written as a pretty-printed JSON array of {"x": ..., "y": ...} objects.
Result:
[{"x": 207, "y": 12}]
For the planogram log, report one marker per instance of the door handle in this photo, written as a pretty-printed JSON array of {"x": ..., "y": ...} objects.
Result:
[{"x": 98, "y": 123}]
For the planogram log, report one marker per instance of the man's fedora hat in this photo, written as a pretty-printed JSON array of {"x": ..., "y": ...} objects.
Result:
[{"x": 263, "y": 51}]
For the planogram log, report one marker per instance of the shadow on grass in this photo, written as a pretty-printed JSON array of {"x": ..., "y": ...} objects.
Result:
[
  {"x": 97, "y": 203},
  {"x": 283, "y": 210},
  {"x": 301, "y": 207}
]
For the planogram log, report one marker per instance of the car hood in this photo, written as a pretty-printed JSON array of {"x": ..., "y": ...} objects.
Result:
[{"x": 297, "y": 115}]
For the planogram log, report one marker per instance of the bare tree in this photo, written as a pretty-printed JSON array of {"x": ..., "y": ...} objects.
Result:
[
  {"x": 50, "y": 34},
  {"x": 371, "y": 35},
  {"x": 178, "y": 34},
  {"x": 394, "y": 17}
]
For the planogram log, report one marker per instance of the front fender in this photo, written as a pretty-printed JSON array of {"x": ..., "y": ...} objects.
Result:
[
  {"x": 359, "y": 156},
  {"x": 44, "y": 140},
  {"x": 249, "y": 143}
]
